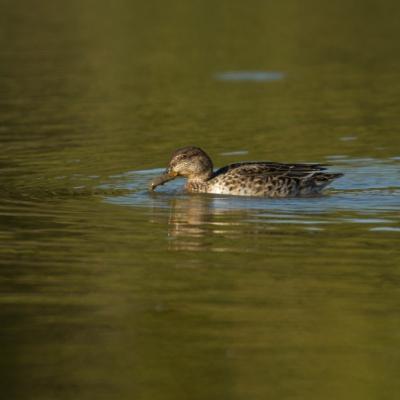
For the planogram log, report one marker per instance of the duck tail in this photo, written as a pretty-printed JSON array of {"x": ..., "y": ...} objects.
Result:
[
  {"x": 317, "y": 182},
  {"x": 323, "y": 179}
]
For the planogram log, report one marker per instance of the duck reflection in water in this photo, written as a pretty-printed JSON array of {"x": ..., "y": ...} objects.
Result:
[
  {"x": 195, "y": 222},
  {"x": 190, "y": 221}
]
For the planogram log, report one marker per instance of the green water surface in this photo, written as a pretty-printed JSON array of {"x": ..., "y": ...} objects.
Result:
[{"x": 109, "y": 292}]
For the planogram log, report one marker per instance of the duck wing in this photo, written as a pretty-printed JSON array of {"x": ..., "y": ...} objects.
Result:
[
  {"x": 271, "y": 179},
  {"x": 266, "y": 168}
]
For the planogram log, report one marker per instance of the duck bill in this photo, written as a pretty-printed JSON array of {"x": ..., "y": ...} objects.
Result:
[{"x": 160, "y": 180}]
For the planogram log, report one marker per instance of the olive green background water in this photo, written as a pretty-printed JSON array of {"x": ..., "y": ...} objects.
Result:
[{"x": 109, "y": 292}]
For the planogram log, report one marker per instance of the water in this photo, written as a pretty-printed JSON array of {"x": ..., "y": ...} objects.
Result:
[{"x": 108, "y": 291}]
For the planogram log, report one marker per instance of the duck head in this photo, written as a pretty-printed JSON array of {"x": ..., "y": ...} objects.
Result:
[{"x": 189, "y": 162}]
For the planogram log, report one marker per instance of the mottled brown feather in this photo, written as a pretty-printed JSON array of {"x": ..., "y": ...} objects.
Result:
[{"x": 255, "y": 178}]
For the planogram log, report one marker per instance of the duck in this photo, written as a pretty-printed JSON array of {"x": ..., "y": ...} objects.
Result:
[{"x": 251, "y": 178}]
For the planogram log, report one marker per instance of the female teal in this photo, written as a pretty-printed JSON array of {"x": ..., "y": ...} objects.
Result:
[{"x": 256, "y": 178}]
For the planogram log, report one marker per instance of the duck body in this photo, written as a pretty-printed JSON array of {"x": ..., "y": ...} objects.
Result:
[
  {"x": 265, "y": 179},
  {"x": 256, "y": 178}
]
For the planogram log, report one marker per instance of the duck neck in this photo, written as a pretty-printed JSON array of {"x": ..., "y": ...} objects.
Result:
[
  {"x": 201, "y": 178},
  {"x": 198, "y": 183}
]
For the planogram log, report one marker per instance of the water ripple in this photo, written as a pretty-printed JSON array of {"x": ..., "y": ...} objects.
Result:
[
  {"x": 368, "y": 194},
  {"x": 254, "y": 76}
]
